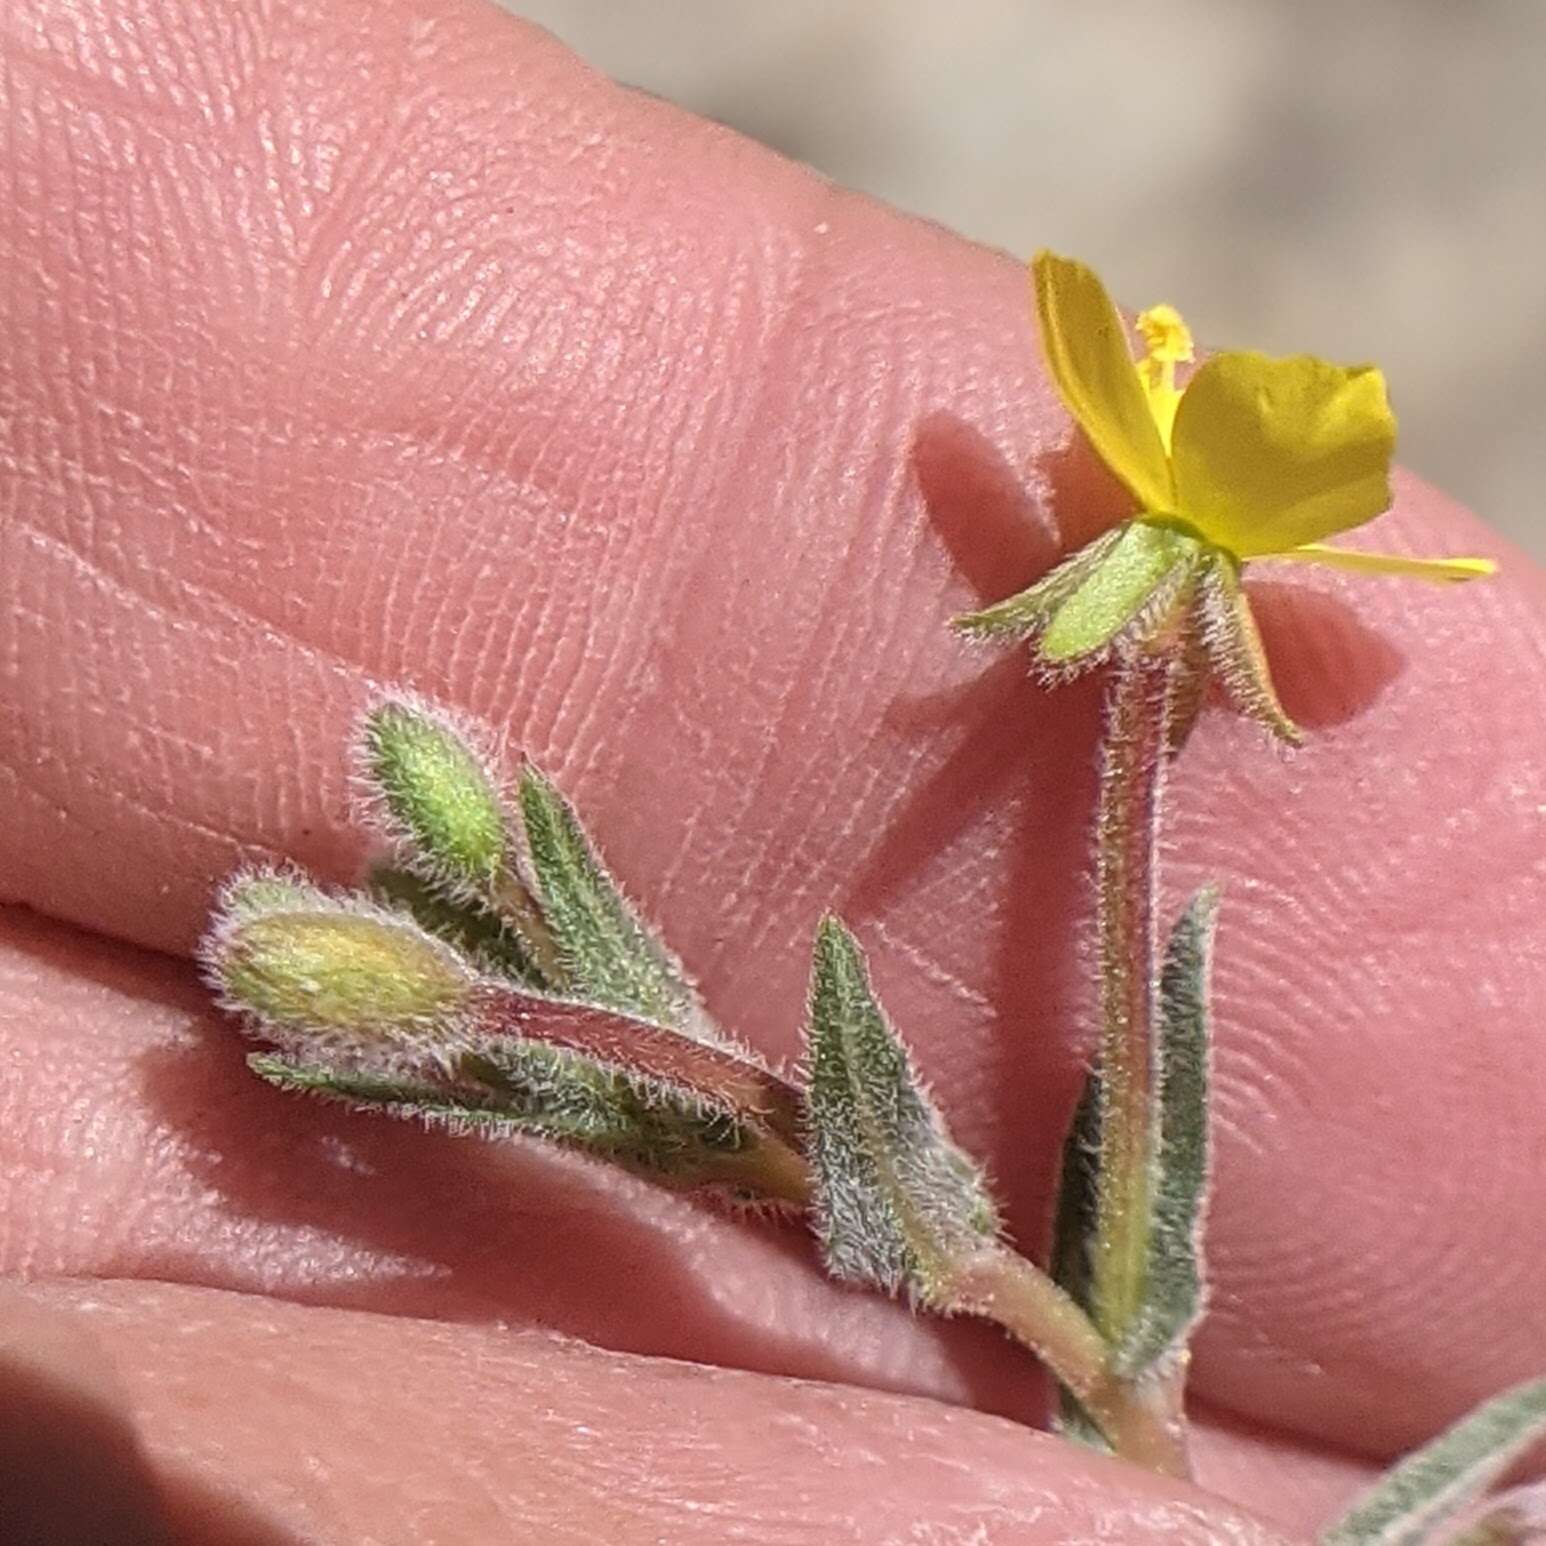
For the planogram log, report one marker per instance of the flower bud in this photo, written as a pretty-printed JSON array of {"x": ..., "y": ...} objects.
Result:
[
  {"x": 329, "y": 970},
  {"x": 439, "y": 796}
]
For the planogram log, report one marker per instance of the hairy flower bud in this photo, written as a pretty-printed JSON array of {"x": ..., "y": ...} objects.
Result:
[
  {"x": 439, "y": 797},
  {"x": 334, "y": 970}
]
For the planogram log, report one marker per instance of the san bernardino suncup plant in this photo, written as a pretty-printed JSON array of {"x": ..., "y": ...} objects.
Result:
[{"x": 491, "y": 977}]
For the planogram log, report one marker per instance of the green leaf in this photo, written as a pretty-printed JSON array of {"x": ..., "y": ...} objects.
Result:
[
  {"x": 1173, "y": 1286},
  {"x": 896, "y": 1201},
  {"x": 439, "y": 795},
  {"x": 1073, "y": 1235},
  {"x": 1142, "y": 572},
  {"x": 528, "y": 1090},
  {"x": 1029, "y": 612},
  {"x": 608, "y": 954},
  {"x": 472, "y": 928},
  {"x": 1428, "y": 1487}
]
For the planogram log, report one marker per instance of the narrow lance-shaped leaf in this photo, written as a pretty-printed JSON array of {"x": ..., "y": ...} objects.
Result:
[
  {"x": 896, "y": 1201},
  {"x": 1073, "y": 1232},
  {"x": 478, "y": 933},
  {"x": 1430, "y": 1486},
  {"x": 558, "y": 1097},
  {"x": 609, "y": 956},
  {"x": 1173, "y": 1285}
]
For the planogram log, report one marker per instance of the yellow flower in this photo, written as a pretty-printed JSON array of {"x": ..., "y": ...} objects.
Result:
[{"x": 1255, "y": 458}]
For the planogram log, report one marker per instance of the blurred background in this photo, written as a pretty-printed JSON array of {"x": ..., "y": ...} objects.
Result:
[{"x": 1362, "y": 180}]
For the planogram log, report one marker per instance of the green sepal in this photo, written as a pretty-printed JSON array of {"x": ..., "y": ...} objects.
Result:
[
  {"x": 609, "y": 956},
  {"x": 1173, "y": 1281},
  {"x": 1027, "y": 613},
  {"x": 896, "y": 1202},
  {"x": 1142, "y": 572},
  {"x": 1073, "y": 1236},
  {"x": 1223, "y": 620},
  {"x": 1420, "y": 1493},
  {"x": 252, "y": 893}
]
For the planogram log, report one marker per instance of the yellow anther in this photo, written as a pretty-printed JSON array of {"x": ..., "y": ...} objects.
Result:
[{"x": 1166, "y": 337}]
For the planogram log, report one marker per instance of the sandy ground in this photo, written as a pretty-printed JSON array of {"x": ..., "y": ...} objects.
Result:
[{"x": 1365, "y": 181}]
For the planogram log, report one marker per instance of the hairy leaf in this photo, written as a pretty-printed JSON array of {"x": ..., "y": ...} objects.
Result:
[
  {"x": 1073, "y": 1236},
  {"x": 609, "y": 956},
  {"x": 472, "y": 928},
  {"x": 896, "y": 1201},
  {"x": 1173, "y": 1287},
  {"x": 548, "y": 1093},
  {"x": 1429, "y": 1486}
]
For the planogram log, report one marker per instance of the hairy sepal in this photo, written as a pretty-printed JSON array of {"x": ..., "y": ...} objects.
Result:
[
  {"x": 433, "y": 788},
  {"x": 1222, "y": 619},
  {"x": 306, "y": 967}
]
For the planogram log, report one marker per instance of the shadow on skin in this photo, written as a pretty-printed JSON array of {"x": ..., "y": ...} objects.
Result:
[
  {"x": 1329, "y": 665},
  {"x": 73, "y": 1473},
  {"x": 201, "y": 1513},
  {"x": 1019, "y": 751}
]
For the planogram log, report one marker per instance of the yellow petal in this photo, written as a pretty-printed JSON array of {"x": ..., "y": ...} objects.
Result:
[
  {"x": 1441, "y": 570},
  {"x": 1087, "y": 354},
  {"x": 1272, "y": 454}
]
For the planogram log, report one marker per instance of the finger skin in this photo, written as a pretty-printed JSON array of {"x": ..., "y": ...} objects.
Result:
[
  {"x": 72, "y": 1469},
  {"x": 335, "y": 1426},
  {"x": 399, "y": 347}
]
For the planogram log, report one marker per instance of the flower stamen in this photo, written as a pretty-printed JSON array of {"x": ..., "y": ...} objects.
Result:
[{"x": 1168, "y": 342}]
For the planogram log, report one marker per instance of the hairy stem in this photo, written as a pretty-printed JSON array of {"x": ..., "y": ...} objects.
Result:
[
  {"x": 1133, "y": 755},
  {"x": 1138, "y": 1420},
  {"x": 516, "y": 905}
]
